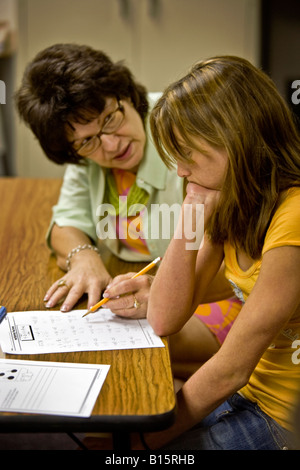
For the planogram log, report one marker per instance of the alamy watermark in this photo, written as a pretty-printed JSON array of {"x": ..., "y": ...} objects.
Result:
[
  {"x": 296, "y": 354},
  {"x": 296, "y": 94},
  {"x": 2, "y": 92},
  {"x": 158, "y": 221}
]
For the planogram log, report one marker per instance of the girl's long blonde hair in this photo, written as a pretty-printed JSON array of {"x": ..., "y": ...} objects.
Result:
[{"x": 234, "y": 106}]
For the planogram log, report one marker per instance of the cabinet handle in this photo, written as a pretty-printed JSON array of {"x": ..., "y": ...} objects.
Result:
[
  {"x": 124, "y": 8},
  {"x": 154, "y": 8}
]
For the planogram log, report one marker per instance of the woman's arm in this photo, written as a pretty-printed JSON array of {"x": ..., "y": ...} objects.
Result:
[
  {"x": 87, "y": 274},
  {"x": 73, "y": 225}
]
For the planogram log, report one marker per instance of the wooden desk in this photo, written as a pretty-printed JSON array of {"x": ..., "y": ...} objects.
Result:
[{"x": 138, "y": 393}]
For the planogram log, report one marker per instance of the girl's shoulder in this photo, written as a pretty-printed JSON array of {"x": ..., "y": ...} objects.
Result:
[
  {"x": 284, "y": 228},
  {"x": 289, "y": 199}
]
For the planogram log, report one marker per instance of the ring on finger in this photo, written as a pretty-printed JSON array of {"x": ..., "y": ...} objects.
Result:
[
  {"x": 62, "y": 283},
  {"x": 136, "y": 303}
]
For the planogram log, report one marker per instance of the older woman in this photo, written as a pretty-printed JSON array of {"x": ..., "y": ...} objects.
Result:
[{"x": 90, "y": 113}]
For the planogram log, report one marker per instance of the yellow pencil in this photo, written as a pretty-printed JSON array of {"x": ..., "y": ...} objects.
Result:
[{"x": 106, "y": 299}]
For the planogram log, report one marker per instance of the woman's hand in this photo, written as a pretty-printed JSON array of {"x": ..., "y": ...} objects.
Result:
[
  {"x": 86, "y": 276},
  {"x": 129, "y": 297}
]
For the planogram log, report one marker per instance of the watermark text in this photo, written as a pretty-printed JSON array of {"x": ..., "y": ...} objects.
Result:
[
  {"x": 296, "y": 94},
  {"x": 2, "y": 92},
  {"x": 158, "y": 221}
]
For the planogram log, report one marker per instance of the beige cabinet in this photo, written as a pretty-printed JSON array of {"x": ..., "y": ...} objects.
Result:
[
  {"x": 158, "y": 39},
  {"x": 181, "y": 32}
]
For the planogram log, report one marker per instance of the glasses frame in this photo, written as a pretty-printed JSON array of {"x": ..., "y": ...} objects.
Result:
[{"x": 102, "y": 131}]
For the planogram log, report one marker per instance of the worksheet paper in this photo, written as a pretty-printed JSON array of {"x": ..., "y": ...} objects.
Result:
[
  {"x": 38, "y": 332},
  {"x": 54, "y": 388}
]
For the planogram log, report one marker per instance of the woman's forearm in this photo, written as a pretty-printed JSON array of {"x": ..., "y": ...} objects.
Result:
[
  {"x": 86, "y": 272},
  {"x": 65, "y": 239}
]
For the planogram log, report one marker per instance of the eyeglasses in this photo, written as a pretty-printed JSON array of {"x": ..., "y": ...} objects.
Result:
[{"x": 112, "y": 122}]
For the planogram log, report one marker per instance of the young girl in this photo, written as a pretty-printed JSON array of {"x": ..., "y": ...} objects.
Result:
[{"x": 234, "y": 140}]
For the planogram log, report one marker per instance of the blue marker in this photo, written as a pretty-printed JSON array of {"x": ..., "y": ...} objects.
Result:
[{"x": 2, "y": 313}]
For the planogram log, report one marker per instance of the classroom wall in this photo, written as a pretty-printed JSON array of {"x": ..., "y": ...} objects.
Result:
[
  {"x": 8, "y": 41},
  {"x": 159, "y": 40}
]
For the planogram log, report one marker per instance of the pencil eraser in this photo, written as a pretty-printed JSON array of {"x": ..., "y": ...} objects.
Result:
[{"x": 2, "y": 313}]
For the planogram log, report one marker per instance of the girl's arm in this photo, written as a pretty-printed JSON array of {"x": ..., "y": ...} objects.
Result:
[
  {"x": 273, "y": 301},
  {"x": 188, "y": 267}
]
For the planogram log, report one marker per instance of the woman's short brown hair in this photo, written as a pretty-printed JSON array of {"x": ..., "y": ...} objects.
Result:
[{"x": 68, "y": 83}]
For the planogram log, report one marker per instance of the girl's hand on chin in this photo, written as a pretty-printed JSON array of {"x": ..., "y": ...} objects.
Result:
[
  {"x": 200, "y": 194},
  {"x": 197, "y": 194}
]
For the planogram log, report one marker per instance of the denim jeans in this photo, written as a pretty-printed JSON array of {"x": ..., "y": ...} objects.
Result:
[{"x": 237, "y": 424}]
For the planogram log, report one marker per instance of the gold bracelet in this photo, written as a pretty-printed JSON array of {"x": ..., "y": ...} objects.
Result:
[{"x": 76, "y": 250}]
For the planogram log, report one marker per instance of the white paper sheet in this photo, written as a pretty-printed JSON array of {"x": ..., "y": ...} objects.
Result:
[
  {"x": 55, "y": 388},
  {"x": 38, "y": 332}
]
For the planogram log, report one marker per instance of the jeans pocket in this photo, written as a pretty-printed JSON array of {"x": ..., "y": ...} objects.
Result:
[{"x": 281, "y": 437}]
